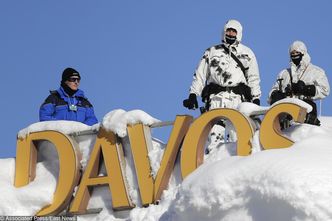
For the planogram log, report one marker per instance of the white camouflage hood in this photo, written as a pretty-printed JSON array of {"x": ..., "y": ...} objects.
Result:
[
  {"x": 300, "y": 47},
  {"x": 237, "y": 26}
]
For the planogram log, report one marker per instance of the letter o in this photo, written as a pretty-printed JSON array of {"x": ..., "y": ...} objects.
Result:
[{"x": 193, "y": 146}]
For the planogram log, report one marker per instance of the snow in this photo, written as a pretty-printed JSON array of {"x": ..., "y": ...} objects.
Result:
[
  {"x": 29, "y": 199},
  {"x": 294, "y": 101},
  {"x": 117, "y": 120},
  {"x": 250, "y": 109},
  {"x": 281, "y": 184},
  {"x": 66, "y": 127}
]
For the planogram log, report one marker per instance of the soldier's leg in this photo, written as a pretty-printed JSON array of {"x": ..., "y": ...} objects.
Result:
[{"x": 311, "y": 117}]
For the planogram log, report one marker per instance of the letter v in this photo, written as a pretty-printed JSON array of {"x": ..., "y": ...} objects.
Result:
[{"x": 140, "y": 140}]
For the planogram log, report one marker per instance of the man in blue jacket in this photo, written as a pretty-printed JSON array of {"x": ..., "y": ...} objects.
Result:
[{"x": 68, "y": 102}]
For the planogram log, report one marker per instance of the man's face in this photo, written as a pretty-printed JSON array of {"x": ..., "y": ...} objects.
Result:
[
  {"x": 231, "y": 31},
  {"x": 73, "y": 83}
]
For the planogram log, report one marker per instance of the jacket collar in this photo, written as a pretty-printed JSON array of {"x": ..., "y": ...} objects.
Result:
[{"x": 63, "y": 94}]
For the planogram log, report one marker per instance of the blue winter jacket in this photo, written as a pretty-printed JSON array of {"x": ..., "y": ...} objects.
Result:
[{"x": 59, "y": 106}]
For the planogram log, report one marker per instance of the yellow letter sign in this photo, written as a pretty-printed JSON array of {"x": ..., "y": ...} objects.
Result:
[
  {"x": 108, "y": 146},
  {"x": 270, "y": 134},
  {"x": 140, "y": 140},
  {"x": 193, "y": 144}
]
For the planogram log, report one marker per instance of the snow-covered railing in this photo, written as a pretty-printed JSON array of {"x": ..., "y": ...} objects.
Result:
[{"x": 95, "y": 131}]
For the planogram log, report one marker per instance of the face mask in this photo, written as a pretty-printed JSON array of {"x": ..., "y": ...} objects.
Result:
[
  {"x": 296, "y": 59},
  {"x": 230, "y": 39}
]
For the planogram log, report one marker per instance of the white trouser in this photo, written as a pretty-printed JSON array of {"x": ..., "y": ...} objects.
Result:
[{"x": 225, "y": 100}]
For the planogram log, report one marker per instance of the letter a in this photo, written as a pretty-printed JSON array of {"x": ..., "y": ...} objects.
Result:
[{"x": 107, "y": 146}]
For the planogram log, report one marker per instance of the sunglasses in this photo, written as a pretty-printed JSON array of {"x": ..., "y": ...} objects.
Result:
[{"x": 74, "y": 80}]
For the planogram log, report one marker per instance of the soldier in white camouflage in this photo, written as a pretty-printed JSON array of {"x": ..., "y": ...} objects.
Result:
[
  {"x": 301, "y": 80},
  {"x": 227, "y": 74}
]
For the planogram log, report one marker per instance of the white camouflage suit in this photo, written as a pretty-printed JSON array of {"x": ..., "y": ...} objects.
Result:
[
  {"x": 220, "y": 68},
  {"x": 217, "y": 66},
  {"x": 307, "y": 72}
]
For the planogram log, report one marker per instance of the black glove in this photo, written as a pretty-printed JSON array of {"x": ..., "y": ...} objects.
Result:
[
  {"x": 276, "y": 96},
  {"x": 191, "y": 102},
  {"x": 257, "y": 101},
  {"x": 298, "y": 87},
  {"x": 309, "y": 90}
]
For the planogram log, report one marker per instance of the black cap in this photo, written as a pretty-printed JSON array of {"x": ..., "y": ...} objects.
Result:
[{"x": 68, "y": 73}]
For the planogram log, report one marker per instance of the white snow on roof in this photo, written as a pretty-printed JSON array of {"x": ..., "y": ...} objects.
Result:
[
  {"x": 250, "y": 109},
  {"x": 117, "y": 120},
  {"x": 282, "y": 184},
  {"x": 63, "y": 126}
]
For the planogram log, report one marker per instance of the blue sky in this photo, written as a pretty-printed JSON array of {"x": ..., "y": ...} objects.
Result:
[{"x": 140, "y": 54}]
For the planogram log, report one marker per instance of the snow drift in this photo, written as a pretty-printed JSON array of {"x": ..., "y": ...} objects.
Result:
[{"x": 282, "y": 184}]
